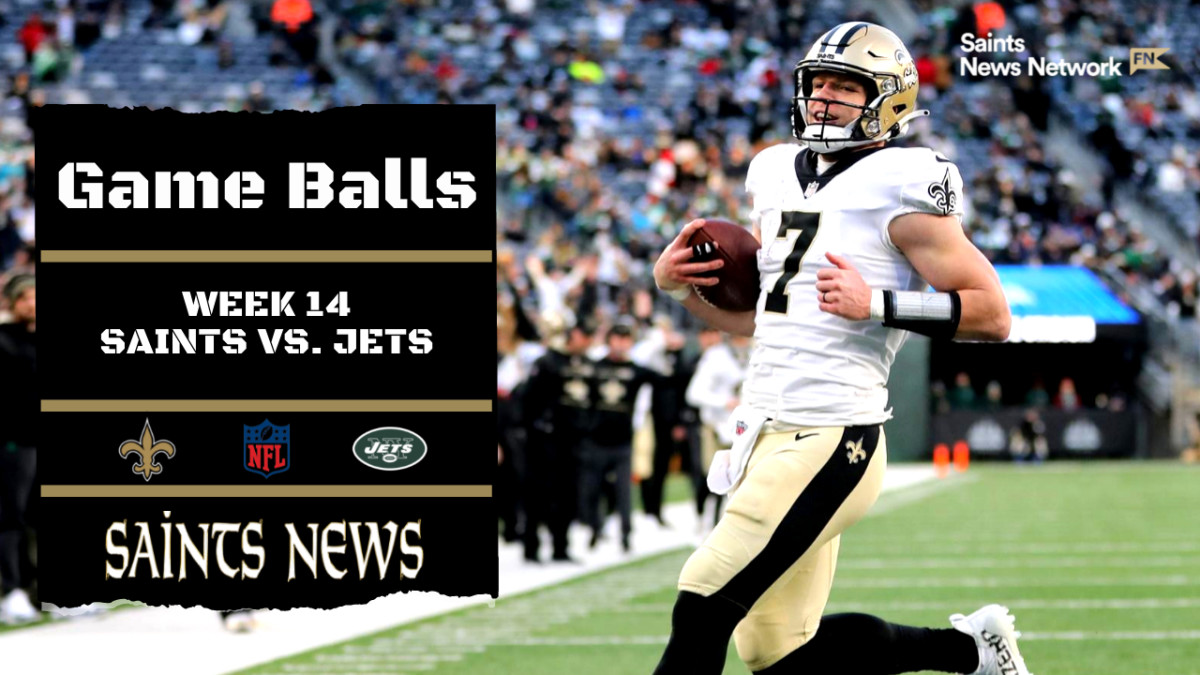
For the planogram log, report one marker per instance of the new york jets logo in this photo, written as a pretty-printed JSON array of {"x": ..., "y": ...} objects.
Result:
[{"x": 390, "y": 448}]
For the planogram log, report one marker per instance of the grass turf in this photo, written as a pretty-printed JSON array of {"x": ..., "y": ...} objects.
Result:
[{"x": 1100, "y": 562}]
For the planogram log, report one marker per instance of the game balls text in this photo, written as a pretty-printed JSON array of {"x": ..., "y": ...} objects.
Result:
[
  {"x": 311, "y": 185},
  {"x": 169, "y": 550}
]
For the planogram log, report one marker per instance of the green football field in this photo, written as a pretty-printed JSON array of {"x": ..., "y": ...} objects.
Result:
[{"x": 1100, "y": 563}]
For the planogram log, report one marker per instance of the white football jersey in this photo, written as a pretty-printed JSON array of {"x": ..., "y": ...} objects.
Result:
[{"x": 809, "y": 367}]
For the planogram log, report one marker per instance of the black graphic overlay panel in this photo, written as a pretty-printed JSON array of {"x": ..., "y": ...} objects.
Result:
[{"x": 266, "y": 375}]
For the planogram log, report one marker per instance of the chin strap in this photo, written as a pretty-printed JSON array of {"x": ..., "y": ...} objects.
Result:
[
  {"x": 826, "y": 145},
  {"x": 902, "y": 123}
]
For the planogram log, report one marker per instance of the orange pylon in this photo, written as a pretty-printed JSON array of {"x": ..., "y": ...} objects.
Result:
[
  {"x": 962, "y": 456},
  {"x": 941, "y": 459}
]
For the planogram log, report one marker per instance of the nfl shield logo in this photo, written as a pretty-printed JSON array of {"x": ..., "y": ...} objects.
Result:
[
  {"x": 266, "y": 448},
  {"x": 741, "y": 428}
]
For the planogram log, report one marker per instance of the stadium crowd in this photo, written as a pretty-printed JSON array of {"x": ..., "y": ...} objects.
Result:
[{"x": 616, "y": 121}]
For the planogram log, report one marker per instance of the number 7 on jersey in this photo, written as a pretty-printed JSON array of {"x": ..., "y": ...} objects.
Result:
[{"x": 808, "y": 224}]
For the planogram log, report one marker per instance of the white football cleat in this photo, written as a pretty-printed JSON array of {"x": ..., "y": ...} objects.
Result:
[
  {"x": 996, "y": 636},
  {"x": 15, "y": 608}
]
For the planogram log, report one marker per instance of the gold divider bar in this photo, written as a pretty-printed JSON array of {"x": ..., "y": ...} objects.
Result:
[
  {"x": 240, "y": 491},
  {"x": 264, "y": 405},
  {"x": 264, "y": 256}
]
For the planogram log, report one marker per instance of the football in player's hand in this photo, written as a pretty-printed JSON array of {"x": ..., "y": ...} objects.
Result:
[{"x": 737, "y": 290}]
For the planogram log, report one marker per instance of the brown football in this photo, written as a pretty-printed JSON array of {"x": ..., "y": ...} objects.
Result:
[{"x": 738, "y": 288}]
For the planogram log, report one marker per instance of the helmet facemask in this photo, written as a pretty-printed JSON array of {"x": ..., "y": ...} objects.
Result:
[{"x": 825, "y": 138}]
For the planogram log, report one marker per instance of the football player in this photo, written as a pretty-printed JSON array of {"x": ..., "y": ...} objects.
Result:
[{"x": 852, "y": 233}]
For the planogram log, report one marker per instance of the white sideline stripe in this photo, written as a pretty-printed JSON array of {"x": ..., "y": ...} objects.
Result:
[
  {"x": 656, "y": 640},
  {"x": 978, "y": 582},
  {"x": 1015, "y": 605},
  {"x": 993, "y": 563},
  {"x": 1115, "y": 635},
  {"x": 889, "y": 502},
  {"x": 586, "y": 641},
  {"x": 1118, "y": 466},
  {"x": 1133, "y": 547},
  {"x": 934, "y": 536},
  {"x": 324, "y": 669}
]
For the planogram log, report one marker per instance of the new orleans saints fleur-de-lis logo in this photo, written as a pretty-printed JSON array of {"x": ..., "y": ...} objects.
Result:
[
  {"x": 612, "y": 391},
  {"x": 577, "y": 390},
  {"x": 856, "y": 451},
  {"x": 146, "y": 449},
  {"x": 943, "y": 196}
]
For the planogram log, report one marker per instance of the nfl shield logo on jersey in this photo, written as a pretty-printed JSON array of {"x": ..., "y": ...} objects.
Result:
[
  {"x": 266, "y": 448},
  {"x": 741, "y": 428}
]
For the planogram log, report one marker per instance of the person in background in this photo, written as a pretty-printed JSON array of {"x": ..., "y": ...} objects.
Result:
[
  {"x": 556, "y": 412},
  {"x": 668, "y": 408},
  {"x": 607, "y": 442},
  {"x": 1028, "y": 441},
  {"x": 1067, "y": 398},
  {"x": 716, "y": 390},
  {"x": 938, "y": 402},
  {"x": 993, "y": 397},
  {"x": 18, "y": 455},
  {"x": 1037, "y": 397},
  {"x": 962, "y": 396}
]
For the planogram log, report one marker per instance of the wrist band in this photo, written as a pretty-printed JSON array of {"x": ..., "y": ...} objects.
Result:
[
  {"x": 933, "y": 314},
  {"x": 680, "y": 294},
  {"x": 877, "y": 305}
]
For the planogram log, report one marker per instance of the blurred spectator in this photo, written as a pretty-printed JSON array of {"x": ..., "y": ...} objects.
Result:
[
  {"x": 33, "y": 33},
  {"x": 939, "y": 403},
  {"x": 1067, "y": 398},
  {"x": 674, "y": 421},
  {"x": 993, "y": 397},
  {"x": 610, "y": 26},
  {"x": 606, "y": 447},
  {"x": 291, "y": 14},
  {"x": 715, "y": 390},
  {"x": 1037, "y": 396},
  {"x": 18, "y": 456},
  {"x": 1028, "y": 441},
  {"x": 556, "y": 410},
  {"x": 962, "y": 396}
]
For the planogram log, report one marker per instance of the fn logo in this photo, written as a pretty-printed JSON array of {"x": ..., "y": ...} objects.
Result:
[{"x": 1146, "y": 58}]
